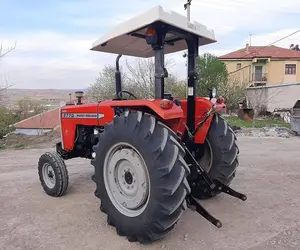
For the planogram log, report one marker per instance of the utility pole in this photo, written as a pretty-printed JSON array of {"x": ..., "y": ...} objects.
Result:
[
  {"x": 250, "y": 36},
  {"x": 187, "y": 6}
]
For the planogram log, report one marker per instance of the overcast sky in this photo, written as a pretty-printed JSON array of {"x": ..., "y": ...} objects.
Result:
[{"x": 54, "y": 37}]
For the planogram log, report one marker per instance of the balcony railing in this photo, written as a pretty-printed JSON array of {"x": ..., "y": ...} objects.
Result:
[{"x": 259, "y": 78}]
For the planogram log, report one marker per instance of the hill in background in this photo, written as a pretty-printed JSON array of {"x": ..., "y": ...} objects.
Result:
[{"x": 47, "y": 97}]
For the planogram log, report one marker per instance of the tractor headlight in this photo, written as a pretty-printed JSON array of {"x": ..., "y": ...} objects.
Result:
[{"x": 213, "y": 92}]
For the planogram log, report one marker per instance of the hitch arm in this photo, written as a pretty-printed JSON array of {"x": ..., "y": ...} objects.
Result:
[
  {"x": 194, "y": 205},
  {"x": 227, "y": 190},
  {"x": 200, "y": 169}
]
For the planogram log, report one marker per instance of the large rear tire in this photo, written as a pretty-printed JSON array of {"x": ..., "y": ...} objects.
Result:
[
  {"x": 220, "y": 157},
  {"x": 140, "y": 176}
]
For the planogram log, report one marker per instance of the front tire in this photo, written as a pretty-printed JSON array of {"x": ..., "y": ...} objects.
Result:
[
  {"x": 222, "y": 161},
  {"x": 53, "y": 174},
  {"x": 140, "y": 176}
]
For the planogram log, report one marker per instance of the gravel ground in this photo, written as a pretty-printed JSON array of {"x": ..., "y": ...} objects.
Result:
[{"x": 269, "y": 174}]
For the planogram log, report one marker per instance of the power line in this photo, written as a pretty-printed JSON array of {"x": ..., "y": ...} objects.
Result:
[
  {"x": 262, "y": 48},
  {"x": 270, "y": 44}
]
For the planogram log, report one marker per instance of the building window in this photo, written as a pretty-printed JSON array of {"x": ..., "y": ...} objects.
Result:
[
  {"x": 238, "y": 65},
  {"x": 290, "y": 69}
]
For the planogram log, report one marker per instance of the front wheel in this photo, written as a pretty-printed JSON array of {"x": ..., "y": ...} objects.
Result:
[
  {"x": 219, "y": 156},
  {"x": 140, "y": 176},
  {"x": 53, "y": 174}
]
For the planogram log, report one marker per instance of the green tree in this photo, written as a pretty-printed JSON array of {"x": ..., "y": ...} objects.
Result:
[
  {"x": 27, "y": 108},
  {"x": 212, "y": 73},
  {"x": 7, "y": 118}
]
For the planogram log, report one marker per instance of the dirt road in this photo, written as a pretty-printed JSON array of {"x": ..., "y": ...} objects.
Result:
[{"x": 270, "y": 219}]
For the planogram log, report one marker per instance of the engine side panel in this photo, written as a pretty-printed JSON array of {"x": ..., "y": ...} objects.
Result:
[{"x": 87, "y": 114}]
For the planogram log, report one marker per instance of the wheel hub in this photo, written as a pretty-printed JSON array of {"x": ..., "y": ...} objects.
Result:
[
  {"x": 48, "y": 175},
  {"x": 126, "y": 179},
  {"x": 207, "y": 158}
]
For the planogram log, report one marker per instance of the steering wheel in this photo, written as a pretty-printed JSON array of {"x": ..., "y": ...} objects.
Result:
[{"x": 126, "y": 92}]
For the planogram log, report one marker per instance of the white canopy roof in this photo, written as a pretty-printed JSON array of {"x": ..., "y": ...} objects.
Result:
[{"x": 119, "y": 40}]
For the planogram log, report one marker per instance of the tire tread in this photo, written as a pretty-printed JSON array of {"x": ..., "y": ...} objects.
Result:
[
  {"x": 172, "y": 169},
  {"x": 59, "y": 167},
  {"x": 225, "y": 153}
]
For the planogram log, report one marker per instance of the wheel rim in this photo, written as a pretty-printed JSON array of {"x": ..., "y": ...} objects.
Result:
[
  {"x": 207, "y": 158},
  {"x": 49, "y": 175},
  {"x": 126, "y": 179}
]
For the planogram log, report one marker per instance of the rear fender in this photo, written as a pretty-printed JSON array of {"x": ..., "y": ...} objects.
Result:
[
  {"x": 203, "y": 105},
  {"x": 170, "y": 115}
]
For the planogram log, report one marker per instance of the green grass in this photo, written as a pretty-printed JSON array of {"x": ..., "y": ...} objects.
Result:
[
  {"x": 2, "y": 147},
  {"x": 259, "y": 123},
  {"x": 19, "y": 146}
]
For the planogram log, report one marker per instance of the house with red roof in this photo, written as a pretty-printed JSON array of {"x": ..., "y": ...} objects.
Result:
[
  {"x": 43, "y": 122},
  {"x": 263, "y": 65},
  {"x": 39, "y": 124}
]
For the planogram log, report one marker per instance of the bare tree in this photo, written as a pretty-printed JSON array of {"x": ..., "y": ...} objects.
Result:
[
  {"x": 233, "y": 91},
  {"x": 138, "y": 78},
  {"x": 104, "y": 87},
  {"x": 4, "y": 52},
  {"x": 141, "y": 76},
  {"x": 260, "y": 98},
  {"x": 4, "y": 83}
]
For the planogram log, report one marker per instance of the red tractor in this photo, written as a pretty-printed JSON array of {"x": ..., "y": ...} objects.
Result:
[{"x": 152, "y": 158}]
